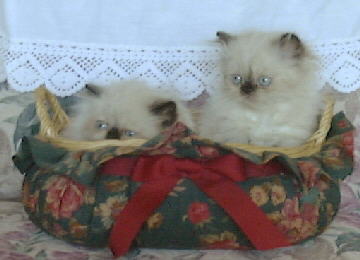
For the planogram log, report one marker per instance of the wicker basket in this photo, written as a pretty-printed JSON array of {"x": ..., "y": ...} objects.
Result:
[{"x": 53, "y": 122}]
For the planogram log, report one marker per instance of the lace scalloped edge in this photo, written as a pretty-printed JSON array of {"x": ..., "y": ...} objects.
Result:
[{"x": 65, "y": 67}]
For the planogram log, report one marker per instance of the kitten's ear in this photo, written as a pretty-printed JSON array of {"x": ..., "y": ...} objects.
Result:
[
  {"x": 224, "y": 37},
  {"x": 94, "y": 90},
  {"x": 166, "y": 110},
  {"x": 291, "y": 44}
]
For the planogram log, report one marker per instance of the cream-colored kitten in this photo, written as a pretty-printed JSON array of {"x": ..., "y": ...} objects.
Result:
[
  {"x": 270, "y": 94},
  {"x": 125, "y": 110}
]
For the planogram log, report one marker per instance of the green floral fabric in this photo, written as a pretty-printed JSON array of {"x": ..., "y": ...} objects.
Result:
[{"x": 65, "y": 196}]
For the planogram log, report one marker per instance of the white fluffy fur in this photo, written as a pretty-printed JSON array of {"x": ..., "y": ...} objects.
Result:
[
  {"x": 125, "y": 105},
  {"x": 283, "y": 114}
]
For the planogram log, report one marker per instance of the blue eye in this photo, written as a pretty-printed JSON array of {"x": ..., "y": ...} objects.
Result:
[
  {"x": 236, "y": 79},
  {"x": 101, "y": 124},
  {"x": 264, "y": 81},
  {"x": 129, "y": 133}
]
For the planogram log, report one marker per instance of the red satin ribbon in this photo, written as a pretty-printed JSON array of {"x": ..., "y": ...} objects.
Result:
[{"x": 215, "y": 177}]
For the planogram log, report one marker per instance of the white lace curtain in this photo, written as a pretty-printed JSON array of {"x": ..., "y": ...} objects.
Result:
[{"x": 167, "y": 44}]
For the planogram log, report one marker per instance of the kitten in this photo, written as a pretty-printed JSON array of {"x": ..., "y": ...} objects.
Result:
[
  {"x": 270, "y": 93},
  {"x": 125, "y": 110}
]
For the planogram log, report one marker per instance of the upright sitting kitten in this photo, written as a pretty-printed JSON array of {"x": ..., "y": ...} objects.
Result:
[
  {"x": 125, "y": 110},
  {"x": 270, "y": 95}
]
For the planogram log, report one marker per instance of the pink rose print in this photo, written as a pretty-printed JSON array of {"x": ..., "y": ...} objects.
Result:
[
  {"x": 348, "y": 142},
  {"x": 342, "y": 124},
  {"x": 310, "y": 172},
  {"x": 298, "y": 223},
  {"x": 64, "y": 196},
  {"x": 208, "y": 151},
  {"x": 198, "y": 212}
]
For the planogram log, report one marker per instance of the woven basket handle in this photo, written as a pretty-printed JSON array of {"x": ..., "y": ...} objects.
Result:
[
  {"x": 325, "y": 122},
  {"x": 51, "y": 115}
]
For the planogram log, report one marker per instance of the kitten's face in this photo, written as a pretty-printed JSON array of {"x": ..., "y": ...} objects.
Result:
[
  {"x": 133, "y": 113},
  {"x": 260, "y": 66},
  {"x": 123, "y": 123},
  {"x": 100, "y": 127}
]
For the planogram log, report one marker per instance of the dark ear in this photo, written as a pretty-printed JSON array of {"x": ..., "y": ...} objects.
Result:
[
  {"x": 224, "y": 37},
  {"x": 291, "y": 44},
  {"x": 93, "y": 90},
  {"x": 166, "y": 111}
]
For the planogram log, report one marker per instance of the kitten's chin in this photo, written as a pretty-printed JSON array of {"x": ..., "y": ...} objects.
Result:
[
  {"x": 247, "y": 99},
  {"x": 230, "y": 93}
]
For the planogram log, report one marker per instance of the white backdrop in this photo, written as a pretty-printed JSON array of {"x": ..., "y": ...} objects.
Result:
[
  {"x": 65, "y": 44},
  {"x": 183, "y": 22}
]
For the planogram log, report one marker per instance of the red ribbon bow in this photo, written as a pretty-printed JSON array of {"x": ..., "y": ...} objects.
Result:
[{"x": 215, "y": 177}]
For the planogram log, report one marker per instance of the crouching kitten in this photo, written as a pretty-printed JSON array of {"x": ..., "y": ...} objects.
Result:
[{"x": 124, "y": 110}]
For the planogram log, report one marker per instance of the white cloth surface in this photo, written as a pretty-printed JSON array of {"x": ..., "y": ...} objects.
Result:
[
  {"x": 66, "y": 44},
  {"x": 170, "y": 23}
]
